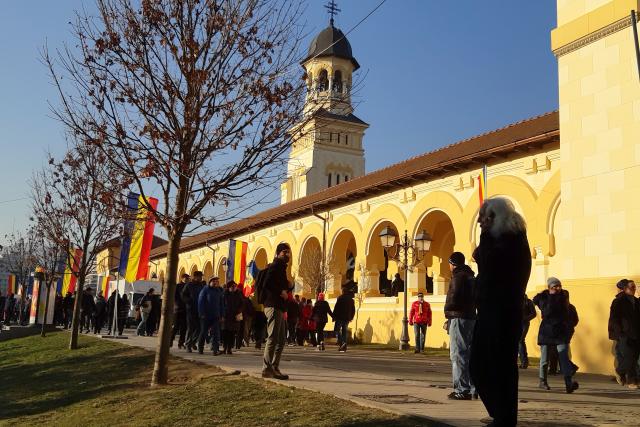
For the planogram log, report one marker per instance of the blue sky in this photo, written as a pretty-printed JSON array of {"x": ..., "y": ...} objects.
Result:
[{"x": 433, "y": 72}]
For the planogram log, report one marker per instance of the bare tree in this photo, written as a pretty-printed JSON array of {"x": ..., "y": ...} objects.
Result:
[
  {"x": 78, "y": 204},
  {"x": 195, "y": 99},
  {"x": 360, "y": 296},
  {"x": 313, "y": 274},
  {"x": 50, "y": 256},
  {"x": 19, "y": 259}
]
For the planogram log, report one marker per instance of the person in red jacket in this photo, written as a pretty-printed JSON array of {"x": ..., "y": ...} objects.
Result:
[{"x": 420, "y": 318}]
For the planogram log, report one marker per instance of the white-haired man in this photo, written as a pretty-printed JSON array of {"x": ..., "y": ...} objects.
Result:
[{"x": 504, "y": 265}]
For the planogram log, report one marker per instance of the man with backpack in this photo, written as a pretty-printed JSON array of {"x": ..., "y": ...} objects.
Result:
[{"x": 272, "y": 287}]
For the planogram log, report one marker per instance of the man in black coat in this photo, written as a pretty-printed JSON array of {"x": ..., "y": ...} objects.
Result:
[
  {"x": 555, "y": 330},
  {"x": 179, "y": 313},
  {"x": 190, "y": 295},
  {"x": 343, "y": 312},
  {"x": 624, "y": 327},
  {"x": 275, "y": 305},
  {"x": 504, "y": 265}
]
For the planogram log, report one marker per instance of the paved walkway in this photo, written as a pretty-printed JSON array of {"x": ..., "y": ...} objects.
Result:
[{"x": 417, "y": 385}]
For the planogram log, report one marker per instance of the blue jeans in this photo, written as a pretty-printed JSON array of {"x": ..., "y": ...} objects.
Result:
[
  {"x": 142, "y": 326},
  {"x": 420, "y": 332},
  {"x": 563, "y": 358},
  {"x": 460, "y": 337},
  {"x": 522, "y": 346},
  {"x": 205, "y": 326},
  {"x": 341, "y": 329}
]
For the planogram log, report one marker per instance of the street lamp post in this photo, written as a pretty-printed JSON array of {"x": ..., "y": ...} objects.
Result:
[{"x": 404, "y": 251}]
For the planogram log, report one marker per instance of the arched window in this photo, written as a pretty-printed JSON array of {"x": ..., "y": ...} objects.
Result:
[
  {"x": 337, "y": 179},
  {"x": 323, "y": 81},
  {"x": 337, "y": 81},
  {"x": 329, "y": 180}
]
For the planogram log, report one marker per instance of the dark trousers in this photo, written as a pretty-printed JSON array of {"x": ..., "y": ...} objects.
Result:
[
  {"x": 98, "y": 321},
  {"x": 193, "y": 328},
  {"x": 320, "y": 331},
  {"x": 291, "y": 330},
  {"x": 179, "y": 328},
  {"x": 85, "y": 321},
  {"x": 522, "y": 345},
  {"x": 121, "y": 323},
  {"x": 628, "y": 363},
  {"x": 228, "y": 339},
  {"x": 209, "y": 326},
  {"x": 494, "y": 366}
]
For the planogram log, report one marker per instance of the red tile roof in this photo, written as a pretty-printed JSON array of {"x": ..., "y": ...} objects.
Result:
[{"x": 466, "y": 154}]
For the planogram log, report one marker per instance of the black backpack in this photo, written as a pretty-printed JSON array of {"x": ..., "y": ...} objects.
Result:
[{"x": 260, "y": 286}]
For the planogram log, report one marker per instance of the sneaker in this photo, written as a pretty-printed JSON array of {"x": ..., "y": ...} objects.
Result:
[
  {"x": 459, "y": 396},
  {"x": 572, "y": 387},
  {"x": 279, "y": 375},
  {"x": 621, "y": 380},
  {"x": 268, "y": 373},
  {"x": 544, "y": 385},
  {"x": 343, "y": 348},
  {"x": 633, "y": 386}
]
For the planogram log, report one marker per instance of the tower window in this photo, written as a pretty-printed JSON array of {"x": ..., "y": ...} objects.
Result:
[
  {"x": 337, "y": 178},
  {"x": 328, "y": 180},
  {"x": 337, "y": 81},
  {"x": 346, "y": 178},
  {"x": 323, "y": 81},
  {"x": 346, "y": 139}
]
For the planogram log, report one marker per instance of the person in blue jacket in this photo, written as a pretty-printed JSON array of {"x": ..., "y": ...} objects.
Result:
[{"x": 211, "y": 309}]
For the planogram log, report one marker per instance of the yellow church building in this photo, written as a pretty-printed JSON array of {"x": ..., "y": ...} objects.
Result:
[{"x": 574, "y": 175}]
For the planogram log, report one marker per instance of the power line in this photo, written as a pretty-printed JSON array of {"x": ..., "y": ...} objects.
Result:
[{"x": 13, "y": 200}]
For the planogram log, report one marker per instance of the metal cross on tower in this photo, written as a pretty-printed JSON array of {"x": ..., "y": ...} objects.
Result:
[{"x": 333, "y": 10}]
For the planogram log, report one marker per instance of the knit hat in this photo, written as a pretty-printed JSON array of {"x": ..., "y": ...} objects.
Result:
[
  {"x": 457, "y": 259},
  {"x": 553, "y": 281},
  {"x": 622, "y": 284}
]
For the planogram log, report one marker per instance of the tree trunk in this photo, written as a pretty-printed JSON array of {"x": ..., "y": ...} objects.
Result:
[
  {"x": 160, "y": 368},
  {"x": 77, "y": 306}
]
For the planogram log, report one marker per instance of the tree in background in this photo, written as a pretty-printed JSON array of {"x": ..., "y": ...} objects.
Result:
[
  {"x": 192, "y": 101},
  {"x": 19, "y": 259},
  {"x": 78, "y": 203}
]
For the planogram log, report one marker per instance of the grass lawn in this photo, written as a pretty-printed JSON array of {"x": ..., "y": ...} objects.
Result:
[{"x": 105, "y": 383}]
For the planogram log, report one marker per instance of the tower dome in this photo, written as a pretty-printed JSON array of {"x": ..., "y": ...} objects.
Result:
[{"x": 331, "y": 42}]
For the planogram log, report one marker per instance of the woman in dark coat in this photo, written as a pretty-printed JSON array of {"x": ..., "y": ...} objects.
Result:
[
  {"x": 555, "y": 330},
  {"x": 319, "y": 314},
  {"x": 232, "y": 316}
]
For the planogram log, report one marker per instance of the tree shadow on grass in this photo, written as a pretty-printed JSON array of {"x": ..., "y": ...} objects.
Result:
[{"x": 44, "y": 386}]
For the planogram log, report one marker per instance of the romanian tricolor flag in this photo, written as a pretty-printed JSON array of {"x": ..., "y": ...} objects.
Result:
[
  {"x": 103, "y": 285},
  {"x": 136, "y": 244},
  {"x": 69, "y": 277},
  {"x": 11, "y": 284},
  {"x": 482, "y": 184},
  {"x": 237, "y": 262}
]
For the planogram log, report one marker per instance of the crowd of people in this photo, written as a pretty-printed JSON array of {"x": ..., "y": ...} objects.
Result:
[{"x": 13, "y": 309}]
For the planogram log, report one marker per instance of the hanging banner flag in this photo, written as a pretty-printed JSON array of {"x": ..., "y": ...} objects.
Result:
[
  {"x": 11, "y": 284},
  {"x": 103, "y": 285},
  {"x": 69, "y": 277},
  {"x": 482, "y": 185},
  {"x": 237, "y": 262},
  {"x": 136, "y": 244}
]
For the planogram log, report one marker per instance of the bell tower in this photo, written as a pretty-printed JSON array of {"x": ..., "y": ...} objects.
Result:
[{"x": 330, "y": 152}]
